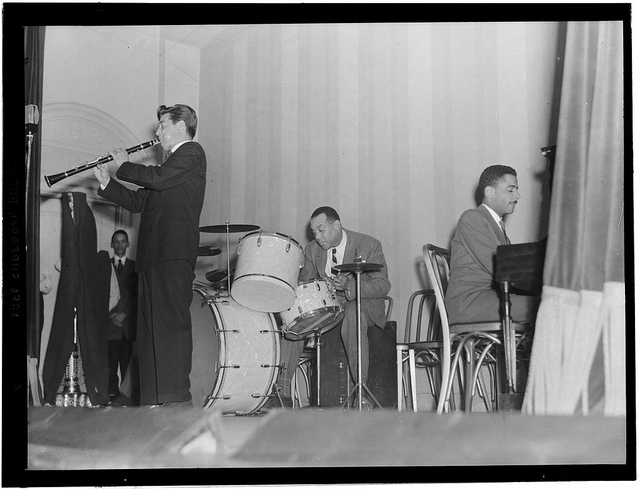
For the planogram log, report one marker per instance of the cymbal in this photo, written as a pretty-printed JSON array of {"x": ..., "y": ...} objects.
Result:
[
  {"x": 359, "y": 266},
  {"x": 208, "y": 251},
  {"x": 231, "y": 228}
]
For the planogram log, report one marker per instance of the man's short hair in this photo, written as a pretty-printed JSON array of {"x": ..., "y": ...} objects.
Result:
[
  {"x": 181, "y": 112},
  {"x": 492, "y": 175},
  {"x": 330, "y": 212},
  {"x": 120, "y": 231}
]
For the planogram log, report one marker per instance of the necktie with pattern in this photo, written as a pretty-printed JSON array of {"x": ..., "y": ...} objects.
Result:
[
  {"x": 504, "y": 230},
  {"x": 334, "y": 262}
]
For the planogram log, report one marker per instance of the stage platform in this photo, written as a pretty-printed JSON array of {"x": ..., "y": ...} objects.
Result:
[{"x": 121, "y": 442}]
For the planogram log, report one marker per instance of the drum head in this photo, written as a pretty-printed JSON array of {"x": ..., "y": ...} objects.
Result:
[
  {"x": 320, "y": 320},
  {"x": 236, "y": 354},
  {"x": 261, "y": 293},
  {"x": 206, "y": 349}
]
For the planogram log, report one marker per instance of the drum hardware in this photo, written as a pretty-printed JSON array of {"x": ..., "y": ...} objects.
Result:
[
  {"x": 216, "y": 275},
  {"x": 358, "y": 267},
  {"x": 208, "y": 251},
  {"x": 224, "y": 397}
]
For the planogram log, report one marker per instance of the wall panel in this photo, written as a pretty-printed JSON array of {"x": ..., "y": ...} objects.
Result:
[{"x": 390, "y": 124}]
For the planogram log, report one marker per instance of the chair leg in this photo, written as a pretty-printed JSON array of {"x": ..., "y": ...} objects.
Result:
[
  {"x": 445, "y": 392},
  {"x": 412, "y": 380},
  {"x": 400, "y": 377},
  {"x": 469, "y": 377}
]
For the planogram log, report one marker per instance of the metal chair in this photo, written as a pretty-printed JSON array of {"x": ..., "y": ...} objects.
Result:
[
  {"x": 480, "y": 341},
  {"x": 422, "y": 347}
]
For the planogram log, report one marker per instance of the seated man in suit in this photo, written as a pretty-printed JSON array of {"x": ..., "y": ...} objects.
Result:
[
  {"x": 472, "y": 294},
  {"x": 334, "y": 245}
]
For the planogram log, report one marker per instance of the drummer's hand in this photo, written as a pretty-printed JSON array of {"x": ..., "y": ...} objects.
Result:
[{"x": 340, "y": 281}]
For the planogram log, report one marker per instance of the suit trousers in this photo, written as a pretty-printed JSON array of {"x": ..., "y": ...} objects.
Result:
[
  {"x": 164, "y": 334},
  {"x": 120, "y": 352}
]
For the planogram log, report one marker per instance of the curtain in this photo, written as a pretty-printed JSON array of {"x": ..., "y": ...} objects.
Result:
[
  {"x": 33, "y": 73},
  {"x": 578, "y": 355}
]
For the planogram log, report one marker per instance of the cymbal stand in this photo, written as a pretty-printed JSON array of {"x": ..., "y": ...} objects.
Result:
[
  {"x": 316, "y": 336},
  {"x": 228, "y": 262},
  {"x": 357, "y": 389}
]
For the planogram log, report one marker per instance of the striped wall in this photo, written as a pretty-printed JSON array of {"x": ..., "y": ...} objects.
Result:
[{"x": 389, "y": 124}]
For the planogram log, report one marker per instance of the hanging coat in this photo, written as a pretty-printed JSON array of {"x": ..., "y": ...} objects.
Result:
[{"x": 82, "y": 287}]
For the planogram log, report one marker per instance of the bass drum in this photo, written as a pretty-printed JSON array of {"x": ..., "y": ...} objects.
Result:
[{"x": 236, "y": 352}]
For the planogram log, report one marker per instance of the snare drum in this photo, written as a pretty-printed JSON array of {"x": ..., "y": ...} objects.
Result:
[
  {"x": 235, "y": 358},
  {"x": 267, "y": 271},
  {"x": 316, "y": 308}
]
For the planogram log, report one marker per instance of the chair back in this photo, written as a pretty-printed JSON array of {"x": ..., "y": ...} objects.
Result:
[
  {"x": 388, "y": 307},
  {"x": 420, "y": 323},
  {"x": 436, "y": 260}
]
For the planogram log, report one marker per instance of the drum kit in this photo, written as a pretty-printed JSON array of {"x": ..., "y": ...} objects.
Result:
[{"x": 236, "y": 336}]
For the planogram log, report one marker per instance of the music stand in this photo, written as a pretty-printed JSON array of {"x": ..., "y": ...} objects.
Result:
[{"x": 358, "y": 267}]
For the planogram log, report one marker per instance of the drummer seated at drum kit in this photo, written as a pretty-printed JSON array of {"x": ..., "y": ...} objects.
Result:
[{"x": 332, "y": 246}]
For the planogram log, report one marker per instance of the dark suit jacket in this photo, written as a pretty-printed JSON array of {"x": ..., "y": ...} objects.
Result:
[
  {"x": 471, "y": 289},
  {"x": 374, "y": 286},
  {"x": 170, "y": 203},
  {"x": 128, "y": 302}
]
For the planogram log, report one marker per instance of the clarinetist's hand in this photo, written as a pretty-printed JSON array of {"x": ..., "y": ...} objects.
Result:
[
  {"x": 119, "y": 155},
  {"x": 102, "y": 174}
]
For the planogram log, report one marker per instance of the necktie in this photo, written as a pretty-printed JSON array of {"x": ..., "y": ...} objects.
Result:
[
  {"x": 334, "y": 261},
  {"x": 168, "y": 154},
  {"x": 120, "y": 268},
  {"x": 504, "y": 231}
]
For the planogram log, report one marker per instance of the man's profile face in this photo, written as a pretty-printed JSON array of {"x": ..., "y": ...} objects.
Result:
[
  {"x": 504, "y": 196},
  {"x": 327, "y": 234},
  {"x": 170, "y": 133}
]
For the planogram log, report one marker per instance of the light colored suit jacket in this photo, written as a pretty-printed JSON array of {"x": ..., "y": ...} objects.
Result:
[
  {"x": 374, "y": 286},
  {"x": 471, "y": 293}
]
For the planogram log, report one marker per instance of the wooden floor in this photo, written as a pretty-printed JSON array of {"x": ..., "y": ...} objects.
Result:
[{"x": 380, "y": 445}]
